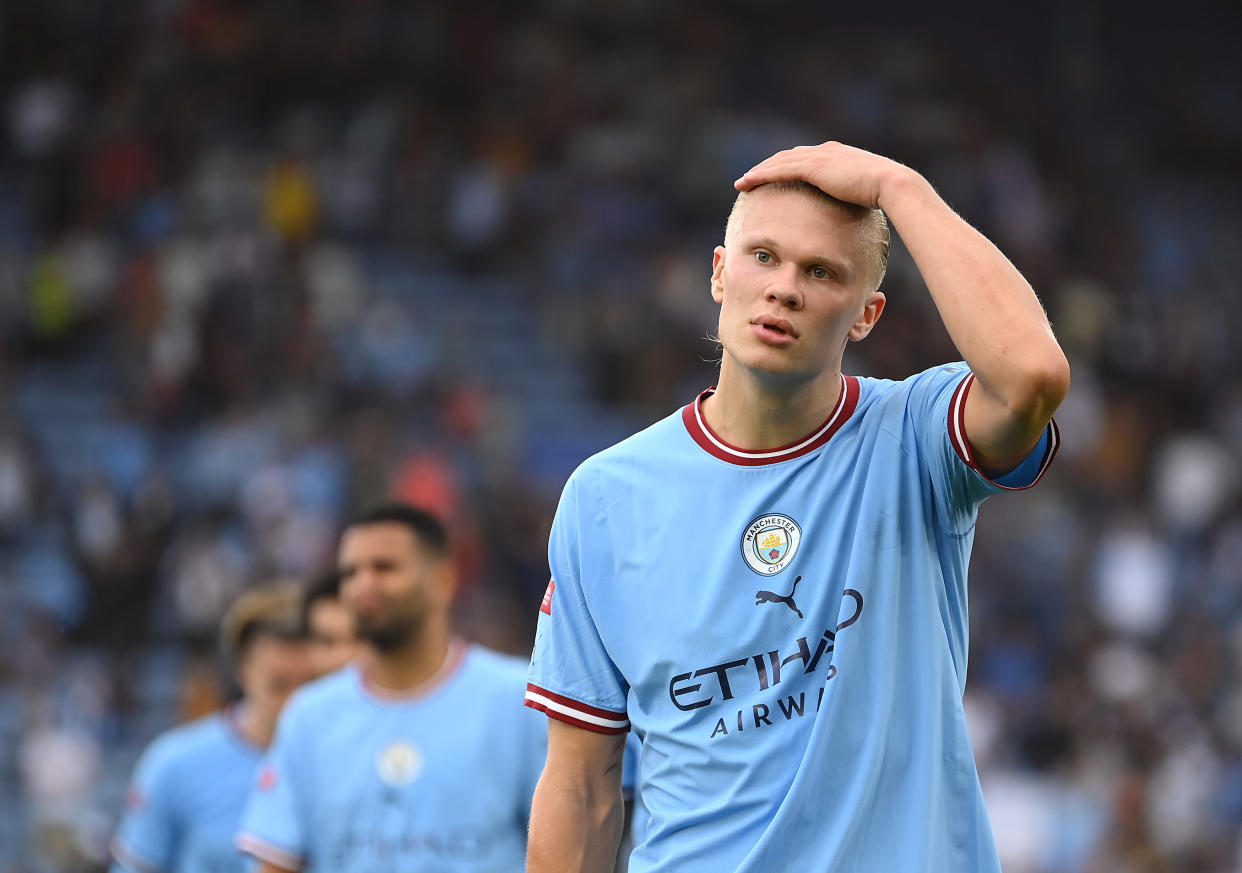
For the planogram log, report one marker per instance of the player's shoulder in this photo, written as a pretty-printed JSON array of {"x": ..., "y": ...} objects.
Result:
[
  {"x": 187, "y": 743},
  {"x": 653, "y": 445},
  {"x": 879, "y": 395},
  {"x": 494, "y": 668},
  {"x": 495, "y": 685}
]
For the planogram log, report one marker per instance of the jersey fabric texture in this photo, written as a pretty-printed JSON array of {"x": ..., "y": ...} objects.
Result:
[
  {"x": 786, "y": 631},
  {"x": 358, "y": 781},
  {"x": 186, "y": 800}
]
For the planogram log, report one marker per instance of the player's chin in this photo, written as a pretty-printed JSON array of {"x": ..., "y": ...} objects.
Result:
[
  {"x": 777, "y": 360},
  {"x": 369, "y": 623}
]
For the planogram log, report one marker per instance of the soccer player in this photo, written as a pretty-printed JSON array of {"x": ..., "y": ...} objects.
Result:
[
  {"x": 769, "y": 586},
  {"x": 416, "y": 757},
  {"x": 329, "y": 626},
  {"x": 191, "y": 784}
]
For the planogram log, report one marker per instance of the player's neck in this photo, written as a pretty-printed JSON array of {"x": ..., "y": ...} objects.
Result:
[
  {"x": 757, "y": 414},
  {"x": 408, "y": 668},
  {"x": 256, "y": 725}
]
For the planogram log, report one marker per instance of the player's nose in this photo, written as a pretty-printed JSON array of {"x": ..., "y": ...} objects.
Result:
[
  {"x": 782, "y": 288},
  {"x": 362, "y": 581}
]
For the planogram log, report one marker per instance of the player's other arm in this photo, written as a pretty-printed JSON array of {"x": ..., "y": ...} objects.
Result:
[
  {"x": 994, "y": 319},
  {"x": 577, "y": 812},
  {"x": 991, "y": 312}
]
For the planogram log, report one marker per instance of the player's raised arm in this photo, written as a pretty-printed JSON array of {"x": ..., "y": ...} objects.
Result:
[
  {"x": 991, "y": 312},
  {"x": 268, "y": 867},
  {"x": 577, "y": 814}
]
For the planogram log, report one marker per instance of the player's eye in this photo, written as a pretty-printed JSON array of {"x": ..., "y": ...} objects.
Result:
[
  {"x": 821, "y": 273},
  {"x": 763, "y": 257}
]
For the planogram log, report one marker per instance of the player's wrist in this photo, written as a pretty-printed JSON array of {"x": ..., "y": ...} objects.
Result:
[{"x": 899, "y": 184}]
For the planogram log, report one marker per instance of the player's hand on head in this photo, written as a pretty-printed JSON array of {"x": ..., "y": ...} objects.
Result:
[{"x": 847, "y": 173}]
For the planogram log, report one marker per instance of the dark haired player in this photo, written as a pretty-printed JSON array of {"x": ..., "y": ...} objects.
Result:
[
  {"x": 822, "y": 728},
  {"x": 411, "y": 758},
  {"x": 191, "y": 784},
  {"x": 330, "y": 629}
]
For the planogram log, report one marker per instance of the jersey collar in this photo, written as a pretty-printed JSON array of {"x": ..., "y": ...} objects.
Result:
[
  {"x": 231, "y": 719},
  {"x": 696, "y": 424},
  {"x": 453, "y": 660}
]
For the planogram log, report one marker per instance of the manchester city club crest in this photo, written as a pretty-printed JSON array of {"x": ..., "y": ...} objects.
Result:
[
  {"x": 399, "y": 764},
  {"x": 770, "y": 543}
]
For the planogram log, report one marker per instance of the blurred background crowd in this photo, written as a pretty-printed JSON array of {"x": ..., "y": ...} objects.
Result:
[{"x": 263, "y": 263}]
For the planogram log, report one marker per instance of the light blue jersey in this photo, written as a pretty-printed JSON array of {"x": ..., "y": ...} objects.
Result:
[
  {"x": 786, "y": 631},
  {"x": 186, "y": 801},
  {"x": 360, "y": 781}
]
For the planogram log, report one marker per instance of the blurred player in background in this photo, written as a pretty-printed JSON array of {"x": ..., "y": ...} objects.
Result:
[
  {"x": 417, "y": 757},
  {"x": 330, "y": 629},
  {"x": 770, "y": 585},
  {"x": 191, "y": 784}
]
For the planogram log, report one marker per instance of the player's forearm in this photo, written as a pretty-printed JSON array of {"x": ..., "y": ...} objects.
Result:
[
  {"x": 269, "y": 867},
  {"x": 989, "y": 309},
  {"x": 573, "y": 829}
]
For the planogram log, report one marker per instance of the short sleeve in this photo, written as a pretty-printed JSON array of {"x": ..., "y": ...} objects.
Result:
[
  {"x": 572, "y": 678},
  {"x": 274, "y": 824},
  {"x": 937, "y": 405},
  {"x": 146, "y": 840}
]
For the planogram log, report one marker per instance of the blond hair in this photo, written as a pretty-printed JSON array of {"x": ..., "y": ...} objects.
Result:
[
  {"x": 875, "y": 232},
  {"x": 271, "y": 609}
]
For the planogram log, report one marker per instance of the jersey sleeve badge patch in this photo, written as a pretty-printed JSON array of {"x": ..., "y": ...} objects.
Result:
[{"x": 546, "y": 606}]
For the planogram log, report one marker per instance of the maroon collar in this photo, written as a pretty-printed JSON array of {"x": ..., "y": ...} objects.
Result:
[
  {"x": 453, "y": 660},
  {"x": 692, "y": 417},
  {"x": 231, "y": 717}
]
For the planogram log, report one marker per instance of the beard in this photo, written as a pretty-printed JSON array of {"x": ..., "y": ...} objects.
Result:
[{"x": 391, "y": 633}]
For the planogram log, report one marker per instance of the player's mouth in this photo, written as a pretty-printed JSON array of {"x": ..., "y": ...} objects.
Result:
[
  {"x": 774, "y": 331},
  {"x": 367, "y": 607}
]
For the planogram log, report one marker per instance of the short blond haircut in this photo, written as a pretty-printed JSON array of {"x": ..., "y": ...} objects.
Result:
[
  {"x": 272, "y": 609},
  {"x": 875, "y": 233}
]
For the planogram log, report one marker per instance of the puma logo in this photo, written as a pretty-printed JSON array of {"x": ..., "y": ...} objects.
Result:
[{"x": 773, "y": 597}]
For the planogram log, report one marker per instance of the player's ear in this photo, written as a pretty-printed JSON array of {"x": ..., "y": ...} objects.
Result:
[
  {"x": 718, "y": 260},
  {"x": 871, "y": 312},
  {"x": 445, "y": 580}
]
